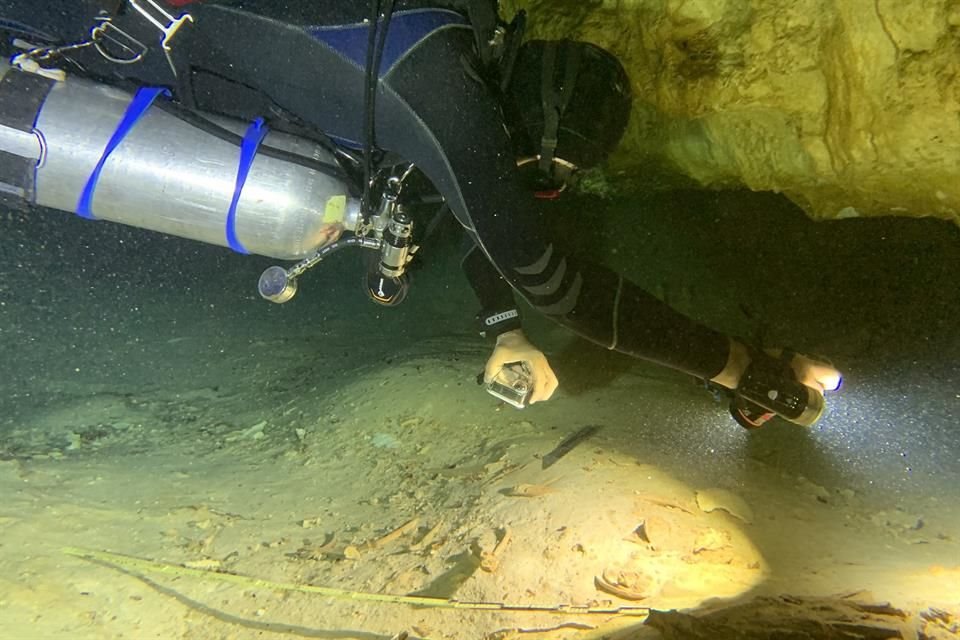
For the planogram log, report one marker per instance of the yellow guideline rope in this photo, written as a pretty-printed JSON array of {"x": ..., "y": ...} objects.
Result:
[{"x": 149, "y": 566}]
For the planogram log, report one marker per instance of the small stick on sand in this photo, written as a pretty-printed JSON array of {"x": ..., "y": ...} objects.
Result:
[{"x": 393, "y": 535}]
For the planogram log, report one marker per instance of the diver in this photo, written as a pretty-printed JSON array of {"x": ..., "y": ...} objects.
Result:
[{"x": 383, "y": 91}]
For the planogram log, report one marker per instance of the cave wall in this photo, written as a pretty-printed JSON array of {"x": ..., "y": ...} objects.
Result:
[{"x": 849, "y": 107}]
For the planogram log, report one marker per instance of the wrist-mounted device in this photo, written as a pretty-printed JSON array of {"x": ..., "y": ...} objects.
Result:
[{"x": 492, "y": 323}]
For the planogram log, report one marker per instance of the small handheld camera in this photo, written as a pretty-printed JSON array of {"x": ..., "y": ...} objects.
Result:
[{"x": 512, "y": 384}]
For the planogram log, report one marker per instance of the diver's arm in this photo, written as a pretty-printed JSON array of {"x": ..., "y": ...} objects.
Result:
[
  {"x": 498, "y": 308},
  {"x": 468, "y": 155}
]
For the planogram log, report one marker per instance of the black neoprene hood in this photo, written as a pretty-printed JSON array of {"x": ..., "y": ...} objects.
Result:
[{"x": 594, "y": 111}]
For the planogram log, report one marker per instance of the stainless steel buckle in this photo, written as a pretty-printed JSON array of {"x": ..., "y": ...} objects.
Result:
[
  {"x": 165, "y": 22},
  {"x": 107, "y": 36},
  {"x": 115, "y": 44}
]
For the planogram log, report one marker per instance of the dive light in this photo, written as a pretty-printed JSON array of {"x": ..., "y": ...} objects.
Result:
[{"x": 770, "y": 385}]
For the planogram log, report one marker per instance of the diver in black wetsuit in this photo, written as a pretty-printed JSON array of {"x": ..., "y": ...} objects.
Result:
[{"x": 428, "y": 87}]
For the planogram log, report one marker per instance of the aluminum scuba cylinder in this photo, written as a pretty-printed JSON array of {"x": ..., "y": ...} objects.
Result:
[{"x": 164, "y": 174}]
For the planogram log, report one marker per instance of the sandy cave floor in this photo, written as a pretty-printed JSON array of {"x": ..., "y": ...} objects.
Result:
[{"x": 166, "y": 477}]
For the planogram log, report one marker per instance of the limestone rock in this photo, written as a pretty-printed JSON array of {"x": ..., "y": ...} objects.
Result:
[{"x": 848, "y": 106}]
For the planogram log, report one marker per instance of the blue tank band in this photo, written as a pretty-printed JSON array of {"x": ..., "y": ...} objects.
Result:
[
  {"x": 248, "y": 151},
  {"x": 135, "y": 110}
]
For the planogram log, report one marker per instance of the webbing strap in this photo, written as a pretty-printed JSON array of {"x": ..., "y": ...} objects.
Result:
[
  {"x": 248, "y": 151},
  {"x": 135, "y": 110},
  {"x": 555, "y": 100}
]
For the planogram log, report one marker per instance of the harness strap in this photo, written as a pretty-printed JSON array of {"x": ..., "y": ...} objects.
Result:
[
  {"x": 21, "y": 97},
  {"x": 484, "y": 19},
  {"x": 555, "y": 99}
]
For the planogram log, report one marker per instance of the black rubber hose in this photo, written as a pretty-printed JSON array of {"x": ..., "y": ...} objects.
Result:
[
  {"x": 224, "y": 134},
  {"x": 369, "y": 92}
]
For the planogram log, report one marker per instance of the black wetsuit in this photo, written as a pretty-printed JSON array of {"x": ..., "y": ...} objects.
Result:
[{"x": 254, "y": 58}]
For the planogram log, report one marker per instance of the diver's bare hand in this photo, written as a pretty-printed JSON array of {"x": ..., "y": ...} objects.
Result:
[
  {"x": 816, "y": 374},
  {"x": 513, "y": 346}
]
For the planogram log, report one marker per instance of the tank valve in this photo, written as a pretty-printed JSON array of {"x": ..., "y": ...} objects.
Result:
[
  {"x": 389, "y": 232},
  {"x": 387, "y": 281}
]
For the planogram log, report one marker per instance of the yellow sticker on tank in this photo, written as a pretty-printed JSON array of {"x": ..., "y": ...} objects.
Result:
[{"x": 334, "y": 213}]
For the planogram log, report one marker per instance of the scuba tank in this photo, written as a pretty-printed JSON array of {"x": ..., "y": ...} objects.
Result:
[{"x": 98, "y": 151}]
